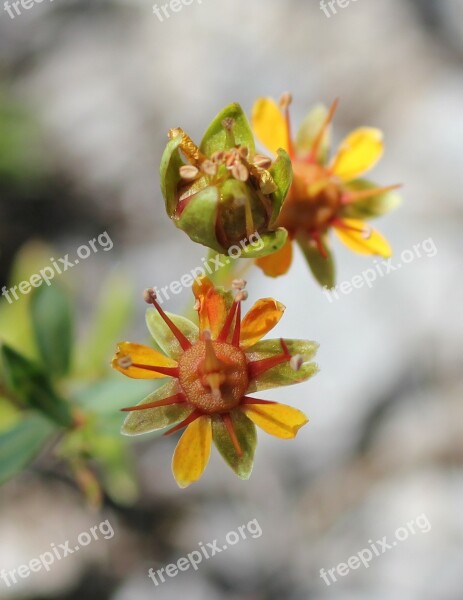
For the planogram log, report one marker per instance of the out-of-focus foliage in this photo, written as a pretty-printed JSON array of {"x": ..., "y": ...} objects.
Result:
[{"x": 57, "y": 392}]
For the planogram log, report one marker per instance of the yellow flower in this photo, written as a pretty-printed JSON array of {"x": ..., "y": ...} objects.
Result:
[
  {"x": 212, "y": 369},
  {"x": 325, "y": 193}
]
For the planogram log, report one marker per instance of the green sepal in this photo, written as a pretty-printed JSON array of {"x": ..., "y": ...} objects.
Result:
[
  {"x": 163, "y": 336},
  {"x": 308, "y": 131},
  {"x": 171, "y": 162},
  {"x": 282, "y": 174},
  {"x": 247, "y": 437},
  {"x": 267, "y": 244},
  {"x": 283, "y": 374},
  {"x": 156, "y": 419},
  {"x": 53, "y": 328},
  {"x": 376, "y": 206},
  {"x": 216, "y": 137},
  {"x": 31, "y": 385},
  {"x": 322, "y": 267},
  {"x": 199, "y": 217}
]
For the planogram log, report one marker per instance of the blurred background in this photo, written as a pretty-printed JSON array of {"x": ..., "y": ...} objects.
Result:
[{"x": 88, "y": 91}]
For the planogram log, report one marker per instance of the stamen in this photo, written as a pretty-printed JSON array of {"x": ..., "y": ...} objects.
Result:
[
  {"x": 352, "y": 196},
  {"x": 239, "y": 284},
  {"x": 209, "y": 168},
  {"x": 150, "y": 298},
  {"x": 168, "y": 371},
  {"x": 296, "y": 362},
  {"x": 176, "y": 399},
  {"x": 188, "y": 172},
  {"x": 247, "y": 400},
  {"x": 319, "y": 137},
  {"x": 194, "y": 415},
  {"x": 229, "y": 320},
  {"x": 262, "y": 162},
  {"x": 231, "y": 431},
  {"x": 285, "y": 102},
  {"x": 187, "y": 146},
  {"x": 316, "y": 237},
  {"x": 125, "y": 362},
  {"x": 248, "y": 217},
  {"x": 228, "y": 124},
  {"x": 259, "y": 367},
  {"x": 365, "y": 231},
  {"x": 237, "y": 332},
  {"x": 239, "y": 171}
]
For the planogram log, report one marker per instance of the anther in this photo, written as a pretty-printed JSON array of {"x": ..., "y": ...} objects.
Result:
[
  {"x": 241, "y": 296},
  {"x": 239, "y": 171},
  {"x": 228, "y": 123},
  {"x": 286, "y": 101},
  {"x": 367, "y": 232},
  {"x": 296, "y": 362},
  {"x": 262, "y": 162},
  {"x": 125, "y": 362},
  {"x": 149, "y": 296},
  {"x": 209, "y": 167},
  {"x": 239, "y": 284},
  {"x": 189, "y": 172}
]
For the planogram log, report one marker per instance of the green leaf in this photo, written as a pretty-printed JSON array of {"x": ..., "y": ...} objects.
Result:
[
  {"x": 199, "y": 217},
  {"x": 171, "y": 162},
  {"x": 308, "y": 131},
  {"x": 283, "y": 374},
  {"x": 323, "y": 268},
  {"x": 53, "y": 328},
  {"x": 21, "y": 444},
  {"x": 216, "y": 139},
  {"x": 163, "y": 336},
  {"x": 247, "y": 437},
  {"x": 156, "y": 419},
  {"x": 32, "y": 386},
  {"x": 376, "y": 206},
  {"x": 282, "y": 174},
  {"x": 267, "y": 244}
]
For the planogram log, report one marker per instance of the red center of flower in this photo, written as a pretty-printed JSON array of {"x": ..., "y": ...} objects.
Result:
[
  {"x": 213, "y": 376},
  {"x": 314, "y": 199}
]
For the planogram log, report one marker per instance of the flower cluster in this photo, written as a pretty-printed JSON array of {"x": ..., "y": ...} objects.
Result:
[
  {"x": 221, "y": 193},
  {"x": 325, "y": 194},
  {"x": 212, "y": 370}
]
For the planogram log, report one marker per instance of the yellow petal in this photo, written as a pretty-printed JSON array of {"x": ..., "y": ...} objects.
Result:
[
  {"x": 261, "y": 319},
  {"x": 278, "y": 263},
  {"x": 128, "y": 355},
  {"x": 269, "y": 124},
  {"x": 279, "y": 420},
  {"x": 358, "y": 153},
  {"x": 369, "y": 241},
  {"x": 192, "y": 452}
]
